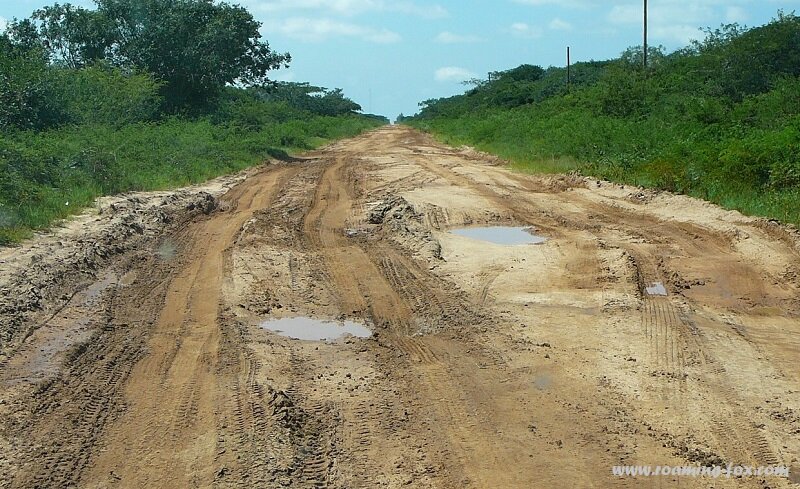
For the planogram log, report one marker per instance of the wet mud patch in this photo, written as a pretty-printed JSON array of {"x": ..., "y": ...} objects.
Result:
[
  {"x": 310, "y": 329},
  {"x": 656, "y": 289},
  {"x": 502, "y": 235}
]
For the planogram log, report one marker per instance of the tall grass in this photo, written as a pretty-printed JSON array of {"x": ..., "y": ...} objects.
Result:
[
  {"x": 719, "y": 119},
  {"x": 49, "y": 175},
  {"x": 623, "y": 155}
]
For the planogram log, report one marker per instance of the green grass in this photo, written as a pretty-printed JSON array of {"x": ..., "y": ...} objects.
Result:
[
  {"x": 749, "y": 169},
  {"x": 50, "y": 175},
  {"x": 555, "y": 164},
  {"x": 520, "y": 158},
  {"x": 718, "y": 120}
]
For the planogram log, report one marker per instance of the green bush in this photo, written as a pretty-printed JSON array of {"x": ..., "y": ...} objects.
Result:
[
  {"x": 703, "y": 120},
  {"x": 27, "y": 89},
  {"x": 47, "y": 175},
  {"x": 142, "y": 96},
  {"x": 105, "y": 95}
]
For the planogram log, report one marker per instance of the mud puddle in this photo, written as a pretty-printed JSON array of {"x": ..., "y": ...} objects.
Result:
[
  {"x": 310, "y": 329},
  {"x": 656, "y": 288},
  {"x": 502, "y": 235},
  {"x": 92, "y": 294}
]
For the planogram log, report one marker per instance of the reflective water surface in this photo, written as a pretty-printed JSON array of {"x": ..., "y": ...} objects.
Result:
[
  {"x": 504, "y": 235},
  {"x": 310, "y": 329}
]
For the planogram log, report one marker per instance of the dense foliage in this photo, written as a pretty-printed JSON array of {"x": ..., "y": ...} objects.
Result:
[
  {"x": 195, "y": 47},
  {"x": 719, "y": 119},
  {"x": 144, "y": 94}
]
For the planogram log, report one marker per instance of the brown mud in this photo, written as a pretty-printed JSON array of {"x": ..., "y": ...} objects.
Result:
[{"x": 132, "y": 352}]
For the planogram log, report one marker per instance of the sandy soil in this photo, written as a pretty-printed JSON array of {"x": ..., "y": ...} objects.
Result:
[{"x": 132, "y": 352}]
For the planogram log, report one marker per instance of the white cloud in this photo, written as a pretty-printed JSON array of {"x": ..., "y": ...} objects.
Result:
[
  {"x": 670, "y": 20},
  {"x": 315, "y": 30},
  {"x": 560, "y": 25},
  {"x": 736, "y": 14},
  {"x": 3, "y": 24},
  {"x": 284, "y": 76},
  {"x": 525, "y": 31},
  {"x": 350, "y": 7},
  {"x": 683, "y": 34},
  {"x": 453, "y": 74},
  {"x": 450, "y": 38}
]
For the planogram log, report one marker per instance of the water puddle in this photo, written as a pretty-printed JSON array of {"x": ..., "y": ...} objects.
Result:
[
  {"x": 167, "y": 250},
  {"x": 503, "y": 235},
  {"x": 656, "y": 289},
  {"x": 128, "y": 279},
  {"x": 305, "y": 328},
  {"x": 91, "y": 294}
]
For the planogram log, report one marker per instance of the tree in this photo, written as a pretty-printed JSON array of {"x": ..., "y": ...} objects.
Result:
[
  {"x": 334, "y": 103},
  {"x": 741, "y": 62},
  {"x": 26, "y": 87},
  {"x": 70, "y": 36},
  {"x": 196, "y": 46},
  {"x": 528, "y": 73},
  {"x": 634, "y": 56},
  {"x": 313, "y": 99}
]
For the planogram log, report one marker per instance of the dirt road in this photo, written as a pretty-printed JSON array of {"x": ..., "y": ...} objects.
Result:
[{"x": 489, "y": 366}]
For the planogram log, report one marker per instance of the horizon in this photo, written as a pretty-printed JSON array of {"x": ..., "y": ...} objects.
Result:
[{"x": 390, "y": 56}]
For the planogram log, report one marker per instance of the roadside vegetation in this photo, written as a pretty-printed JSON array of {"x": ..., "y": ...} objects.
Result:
[
  {"x": 719, "y": 120},
  {"x": 144, "y": 95}
]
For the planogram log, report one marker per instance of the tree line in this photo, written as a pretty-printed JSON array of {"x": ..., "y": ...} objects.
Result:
[
  {"x": 719, "y": 119},
  {"x": 141, "y": 58},
  {"x": 144, "y": 94}
]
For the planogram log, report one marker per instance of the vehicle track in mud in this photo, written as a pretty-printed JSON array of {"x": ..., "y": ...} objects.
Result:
[{"x": 489, "y": 366}]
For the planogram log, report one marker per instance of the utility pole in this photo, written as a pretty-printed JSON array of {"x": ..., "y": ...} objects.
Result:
[
  {"x": 645, "y": 36},
  {"x": 569, "y": 80}
]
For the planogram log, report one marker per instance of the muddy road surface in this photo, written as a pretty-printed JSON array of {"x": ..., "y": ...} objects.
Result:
[{"x": 142, "y": 344}]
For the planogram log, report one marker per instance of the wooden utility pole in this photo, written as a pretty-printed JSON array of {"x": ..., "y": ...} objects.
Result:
[
  {"x": 645, "y": 36},
  {"x": 569, "y": 80}
]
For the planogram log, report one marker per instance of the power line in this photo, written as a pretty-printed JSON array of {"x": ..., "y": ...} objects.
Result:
[
  {"x": 569, "y": 63},
  {"x": 644, "y": 52}
]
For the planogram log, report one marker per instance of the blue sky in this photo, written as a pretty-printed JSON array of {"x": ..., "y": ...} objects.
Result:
[{"x": 390, "y": 54}]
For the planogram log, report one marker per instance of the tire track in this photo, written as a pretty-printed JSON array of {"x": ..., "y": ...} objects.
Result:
[
  {"x": 397, "y": 293},
  {"x": 738, "y": 438},
  {"x": 314, "y": 440},
  {"x": 183, "y": 351},
  {"x": 455, "y": 389},
  {"x": 62, "y": 437},
  {"x": 673, "y": 336}
]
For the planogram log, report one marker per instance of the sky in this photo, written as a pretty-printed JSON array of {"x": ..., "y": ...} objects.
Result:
[{"x": 388, "y": 55}]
